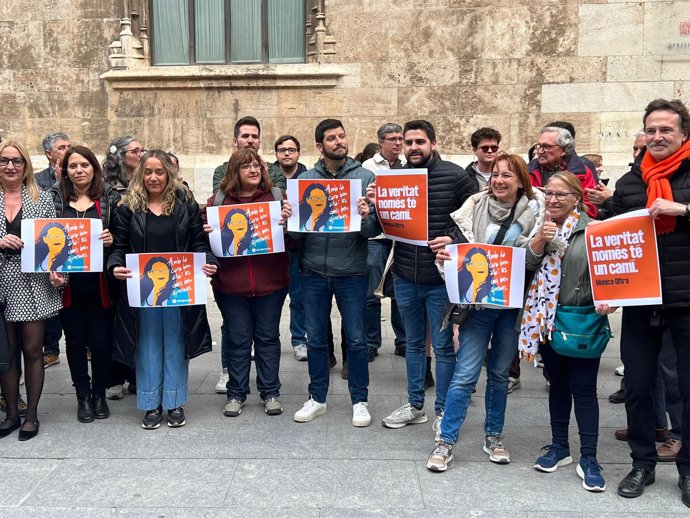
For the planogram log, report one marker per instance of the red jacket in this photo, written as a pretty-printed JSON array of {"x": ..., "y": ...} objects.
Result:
[{"x": 250, "y": 276}]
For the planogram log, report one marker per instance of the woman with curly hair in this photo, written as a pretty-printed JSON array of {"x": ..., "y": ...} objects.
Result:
[{"x": 159, "y": 215}]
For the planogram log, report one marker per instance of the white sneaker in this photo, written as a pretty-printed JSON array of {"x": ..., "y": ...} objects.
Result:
[
  {"x": 360, "y": 414},
  {"x": 21, "y": 379},
  {"x": 114, "y": 392},
  {"x": 300, "y": 352},
  {"x": 620, "y": 371},
  {"x": 222, "y": 385},
  {"x": 310, "y": 411}
]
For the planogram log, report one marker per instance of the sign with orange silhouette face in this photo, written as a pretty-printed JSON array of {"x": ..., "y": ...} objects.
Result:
[
  {"x": 401, "y": 205},
  {"x": 624, "y": 260},
  {"x": 69, "y": 245},
  {"x": 246, "y": 229},
  {"x": 490, "y": 275},
  {"x": 166, "y": 279},
  {"x": 323, "y": 205}
]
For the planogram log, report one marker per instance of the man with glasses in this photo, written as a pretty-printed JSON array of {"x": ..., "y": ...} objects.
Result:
[
  {"x": 55, "y": 145},
  {"x": 287, "y": 164},
  {"x": 246, "y": 134},
  {"x": 485, "y": 144},
  {"x": 556, "y": 152},
  {"x": 391, "y": 142}
]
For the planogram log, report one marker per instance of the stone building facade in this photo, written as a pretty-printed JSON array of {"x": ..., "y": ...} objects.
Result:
[{"x": 84, "y": 67}]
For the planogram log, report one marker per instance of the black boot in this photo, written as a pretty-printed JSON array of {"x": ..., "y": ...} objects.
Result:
[
  {"x": 618, "y": 397},
  {"x": 84, "y": 409},
  {"x": 100, "y": 407}
]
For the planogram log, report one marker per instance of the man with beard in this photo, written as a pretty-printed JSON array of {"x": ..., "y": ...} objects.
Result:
[
  {"x": 335, "y": 263},
  {"x": 419, "y": 288},
  {"x": 246, "y": 134}
]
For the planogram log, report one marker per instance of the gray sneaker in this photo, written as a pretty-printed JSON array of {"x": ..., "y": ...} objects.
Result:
[
  {"x": 493, "y": 446},
  {"x": 233, "y": 408},
  {"x": 441, "y": 458},
  {"x": 406, "y": 414},
  {"x": 272, "y": 406}
]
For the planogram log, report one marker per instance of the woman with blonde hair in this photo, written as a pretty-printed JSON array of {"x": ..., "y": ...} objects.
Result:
[
  {"x": 159, "y": 215},
  {"x": 28, "y": 298}
]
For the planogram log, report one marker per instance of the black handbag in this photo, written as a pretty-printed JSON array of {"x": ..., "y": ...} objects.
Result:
[{"x": 4, "y": 342}]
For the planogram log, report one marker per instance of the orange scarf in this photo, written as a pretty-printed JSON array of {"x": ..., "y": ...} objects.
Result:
[{"x": 656, "y": 175}]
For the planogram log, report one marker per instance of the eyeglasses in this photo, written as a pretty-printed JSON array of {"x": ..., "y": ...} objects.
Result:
[
  {"x": 317, "y": 198},
  {"x": 560, "y": 196},
  {"x": 252, "y": 165},
  {"x": 486, "y": 149},
  {"x": 16, "y": 162},
  {"x": 137, "y": 151},
  {"x": 544, "y": 147},
  {"x": 393, "y": 139},
  {"x": 289, "y": 150}
]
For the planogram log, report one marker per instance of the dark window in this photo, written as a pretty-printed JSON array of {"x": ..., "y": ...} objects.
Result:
[{"x": 188, "y": 32}]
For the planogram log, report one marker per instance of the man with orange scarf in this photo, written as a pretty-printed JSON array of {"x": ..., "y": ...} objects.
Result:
[{"x": 660, "y": 181}]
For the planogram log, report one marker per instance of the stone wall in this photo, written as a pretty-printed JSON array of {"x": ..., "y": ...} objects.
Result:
[{"x": 511, "y": 64}]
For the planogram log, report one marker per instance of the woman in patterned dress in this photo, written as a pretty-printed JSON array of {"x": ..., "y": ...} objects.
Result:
[{"x": 29, "y": 298}]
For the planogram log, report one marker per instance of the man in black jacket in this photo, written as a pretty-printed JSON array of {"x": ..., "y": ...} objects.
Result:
[
  {"x": 661, "y": 183},
  {"x": 419, "y": 288}
]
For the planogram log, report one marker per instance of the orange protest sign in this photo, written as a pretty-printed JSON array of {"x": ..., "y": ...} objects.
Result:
[
  {"x": 401, "y": 205},
  {"x": 324, "y": 205},
  {"x": 623, "y": 260}
]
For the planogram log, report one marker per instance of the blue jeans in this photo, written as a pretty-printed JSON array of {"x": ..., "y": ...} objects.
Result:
[
  {"x": 162, "y": 369},
  {"x": 257, "y": 320},
  {"x": 350, "y": 291},
  {"x": 376, "y": 263},
  {"x": 297, "y": 329},
  {"x": 497, "y": 325},
  {"x": 421, "y": 307}
]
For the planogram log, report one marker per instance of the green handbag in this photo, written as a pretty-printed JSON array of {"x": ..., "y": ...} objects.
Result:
[{"x": 579, "y": 332}]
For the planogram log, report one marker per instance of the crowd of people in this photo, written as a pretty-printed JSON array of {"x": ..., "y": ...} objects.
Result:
[{"x": 542, "y": 205}]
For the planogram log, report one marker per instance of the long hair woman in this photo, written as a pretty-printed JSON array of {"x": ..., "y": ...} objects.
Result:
[
  {"x": 159, "y": 215},
  {"x": 29, "y": 298},
  {"x": 87, "y": 316}
]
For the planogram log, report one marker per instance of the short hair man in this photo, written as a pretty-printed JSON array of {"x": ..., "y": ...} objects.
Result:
[
  {"x": 485, "y": 144},
  {"x": 571, "y": 128},
  {"x": 556, "y": 152},
  {"x": 246, "y": 134},
  {"x": 419, "y": 288},
  {"x": 391, "y": 143},
  {"x": 335, "y": 263},
  {"x": 639, "y": 145},
  {"x": 660, "y": 182},
  {"x": 55, "y": 145},
  {"x": 287, "y": 165}
]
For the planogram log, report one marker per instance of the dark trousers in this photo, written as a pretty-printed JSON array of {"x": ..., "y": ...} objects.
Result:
[
  {"x": 668, "y": 398},
  {"x": 51, "y": 336},
  {"x": 641, "y": 340},
  {"x": 573, "y": 380},
  {"x": 87, "y": 324}
]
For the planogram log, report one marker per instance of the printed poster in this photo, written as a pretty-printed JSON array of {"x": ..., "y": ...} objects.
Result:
[
  {"x": 624, "y": 260},
  {"x": 68, "y": 245},
  {"x": 492, "y": 275},
  {"x": 402, "y": 205},
  {"x": 246, "y": 229},
  {"x": 321, "y": 205},
  {"x": 168, "y": 279}
]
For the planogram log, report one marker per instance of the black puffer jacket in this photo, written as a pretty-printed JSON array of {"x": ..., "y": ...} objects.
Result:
[
  {"x": 674, "y": 248},
  {"x": 130, "y": 238},
  {"x": 448, "y": 188}
]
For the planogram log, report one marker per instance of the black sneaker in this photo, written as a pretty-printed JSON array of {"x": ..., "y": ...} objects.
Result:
[
  {"x": 176, "y": 417},
  {"x": 373, "y": 353},
  {"x": 153, "y": 418}
]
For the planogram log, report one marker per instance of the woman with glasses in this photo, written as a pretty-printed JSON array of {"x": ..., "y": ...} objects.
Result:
[
  {"x": 158, "y": 215},
  {"x": 121, "y": 158},
  {"x": 250, "y": 291},
  {"x": 88, "y": 313},
  {"x": 562, "y": 279},
  {"x": 509, "y": 213},
  {"x": 28, "y": 298}
]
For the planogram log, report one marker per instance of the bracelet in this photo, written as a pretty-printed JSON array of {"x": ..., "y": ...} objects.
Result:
[{"x": 529, "y": 245}]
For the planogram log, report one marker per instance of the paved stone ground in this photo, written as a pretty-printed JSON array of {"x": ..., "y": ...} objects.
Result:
[{"x": 256, "y": 465}]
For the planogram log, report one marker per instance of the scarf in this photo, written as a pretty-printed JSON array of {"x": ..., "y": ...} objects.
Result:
[
  {"x": 656, "y": 175},
  {"x": 542, "y": 297}
]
